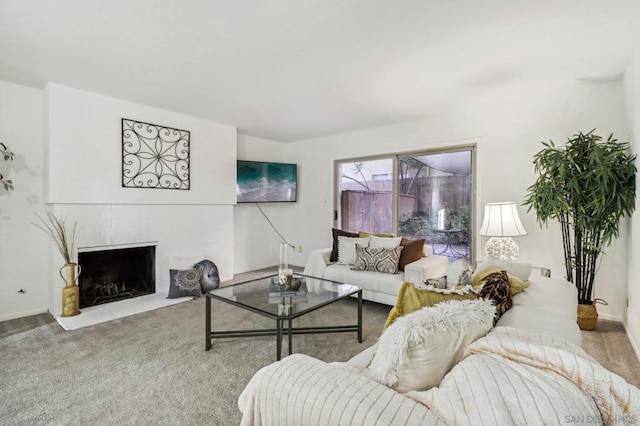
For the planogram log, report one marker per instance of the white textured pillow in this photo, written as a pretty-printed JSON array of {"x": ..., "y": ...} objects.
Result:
[
  {"x": 347, "y": 248},
  {"x": 521, "y": 271},
  {"x": 384, "y": 242},
  {"x": 419, "y": 349}
]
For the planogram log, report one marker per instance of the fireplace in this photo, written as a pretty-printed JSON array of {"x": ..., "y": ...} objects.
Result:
[{"x": 113, "y": 274}]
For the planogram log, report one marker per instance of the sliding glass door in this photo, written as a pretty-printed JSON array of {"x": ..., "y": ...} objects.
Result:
[{"x": 417, "y": 195}]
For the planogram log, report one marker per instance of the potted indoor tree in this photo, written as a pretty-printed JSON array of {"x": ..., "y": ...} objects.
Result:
[{"x": 588, "y": 186}]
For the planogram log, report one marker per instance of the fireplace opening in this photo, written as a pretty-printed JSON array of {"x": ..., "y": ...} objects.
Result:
[{"x": 112, "y": 275}]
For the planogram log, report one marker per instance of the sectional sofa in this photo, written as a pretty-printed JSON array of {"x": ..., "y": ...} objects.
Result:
[{"x": 528, "y": 368}]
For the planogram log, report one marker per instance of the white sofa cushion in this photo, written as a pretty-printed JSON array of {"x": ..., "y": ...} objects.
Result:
[{"x": 548, "y": 305}]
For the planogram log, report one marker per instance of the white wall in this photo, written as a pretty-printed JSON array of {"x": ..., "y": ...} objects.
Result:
[
  {"x": 84, "y": 176},
  {"x": 23, "y": 248},
  {"x": 85, "y": 152},
  {"x": 632, "y": 97},
  {"x": 256, "y": 243},
  {"x": 508, "y": 130},
  {"x": 85, "y": 181}
]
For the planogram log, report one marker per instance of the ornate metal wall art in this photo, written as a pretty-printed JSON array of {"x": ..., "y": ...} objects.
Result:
[{"x": 154, "y": 156}]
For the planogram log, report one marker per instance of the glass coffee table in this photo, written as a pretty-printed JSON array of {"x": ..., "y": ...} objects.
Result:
[{"x": 283, "y": 307}]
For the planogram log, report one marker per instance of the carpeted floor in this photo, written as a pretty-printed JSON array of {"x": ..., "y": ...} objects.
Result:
[{"x": 152, "y": 368}]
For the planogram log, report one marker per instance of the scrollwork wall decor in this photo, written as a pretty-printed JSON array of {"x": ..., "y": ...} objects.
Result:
[{"x": 154, "y": 156}]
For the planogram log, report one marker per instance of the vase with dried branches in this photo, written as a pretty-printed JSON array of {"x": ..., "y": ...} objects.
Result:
[{"x": 64, "y": 235}]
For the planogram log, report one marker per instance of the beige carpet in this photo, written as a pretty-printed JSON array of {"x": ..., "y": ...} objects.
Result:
[
  {"x": 609, "y": 344},
  {"x": 151, "y": 368}
]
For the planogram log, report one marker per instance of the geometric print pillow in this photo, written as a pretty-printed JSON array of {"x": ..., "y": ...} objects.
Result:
[
  {"x": 496, "y": 287},
  {"x": 377, "y": 259}
]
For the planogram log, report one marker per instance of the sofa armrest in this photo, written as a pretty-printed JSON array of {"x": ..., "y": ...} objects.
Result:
[
  {"x": 317, "y": 262},
  {"x": 301, "y": 390},
  {"x": 426, "y": 267}
]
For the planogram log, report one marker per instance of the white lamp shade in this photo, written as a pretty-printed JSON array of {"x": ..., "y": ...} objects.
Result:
[{"x": 501, "y": 220}]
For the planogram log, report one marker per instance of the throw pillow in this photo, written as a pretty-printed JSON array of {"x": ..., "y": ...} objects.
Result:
[
  {"x": 363, "y": 234},
  {"x": 347, "y": 249},
  {"x": 515, "y": 284},
  {"x": 338, "y": 233},
  {"x": 411, "y": 299},
  {"x": 210, "y": 278},
  {"x": 412, "y": 251},
  {"x": 440, "y": 282},
  {"x": 495, "y": 287},
  {"x": 520, "y": 270},
  {"x": 184, "y": 283},
  {"x": 419, "y": 349},
  {"x": 385, "y": 242},
  {"x": 459, "y": 273},
  {"x": 377, "y": 259}
]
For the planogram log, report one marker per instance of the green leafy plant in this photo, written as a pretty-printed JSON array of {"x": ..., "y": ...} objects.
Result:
[
  {"x": 588, "y": 186},
  {"x": 7, "y": 156}
]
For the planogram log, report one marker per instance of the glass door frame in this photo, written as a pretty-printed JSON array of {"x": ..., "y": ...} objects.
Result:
[{"x": 472, "y": 147}]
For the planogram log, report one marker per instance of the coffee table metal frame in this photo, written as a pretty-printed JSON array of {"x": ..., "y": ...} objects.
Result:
[{"x": 280, "y": 331}]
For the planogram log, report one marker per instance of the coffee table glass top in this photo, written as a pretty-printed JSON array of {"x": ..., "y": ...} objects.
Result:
[{"x": 255, "y": 295}]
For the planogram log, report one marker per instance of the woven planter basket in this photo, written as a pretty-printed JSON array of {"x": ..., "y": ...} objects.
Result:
[{"x": 588, "y": 315}]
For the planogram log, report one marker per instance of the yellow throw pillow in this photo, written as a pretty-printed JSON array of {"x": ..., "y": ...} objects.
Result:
[
  {"x": 516, "y": 284},
  {"x": 363, "y": 234},
  {"x": 411, "y": 299}
]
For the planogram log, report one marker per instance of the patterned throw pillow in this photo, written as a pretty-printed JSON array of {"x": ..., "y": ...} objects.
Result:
[
  {"x": 440, "y": 282},
  {"x": 459, "y": 273},
  {"x": 184, "y": 283},
  {"x": 377, "y": 259},
  {"x": 496, "y": 287}
]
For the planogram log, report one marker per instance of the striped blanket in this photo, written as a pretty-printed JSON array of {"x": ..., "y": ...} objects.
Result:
[{"x": 507, "y": 377}]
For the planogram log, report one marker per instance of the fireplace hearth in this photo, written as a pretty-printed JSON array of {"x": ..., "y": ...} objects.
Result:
[{"x": 115, "y": 274}]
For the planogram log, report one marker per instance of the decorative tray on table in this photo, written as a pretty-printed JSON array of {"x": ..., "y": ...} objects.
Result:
[{"x": 277, "y": 290}]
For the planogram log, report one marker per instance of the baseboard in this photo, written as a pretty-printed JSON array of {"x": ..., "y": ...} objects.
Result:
[
  {"x": 22, "y": 314},
  {"x": 635, "y": 345},
  {"x": 610, "y": 317}
]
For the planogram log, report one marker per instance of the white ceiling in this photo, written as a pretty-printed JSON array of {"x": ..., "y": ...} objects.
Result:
[{"x": 289, "y": 70}]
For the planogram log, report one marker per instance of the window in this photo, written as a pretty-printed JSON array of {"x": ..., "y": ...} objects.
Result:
[{"x": 417, "y": 195}]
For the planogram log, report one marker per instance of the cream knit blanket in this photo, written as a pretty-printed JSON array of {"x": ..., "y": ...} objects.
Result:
[{"x": 513, "y": 376}]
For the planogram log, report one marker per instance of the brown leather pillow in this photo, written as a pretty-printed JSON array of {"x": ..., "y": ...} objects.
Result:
[
  {"x": 411, "y": 252},
  {"x": 339, "y": 233}
]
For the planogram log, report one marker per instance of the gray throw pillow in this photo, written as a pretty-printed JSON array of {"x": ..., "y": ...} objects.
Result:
[
  {"x": 184, "y": 283},
  {"x": 210, "y": 278}
]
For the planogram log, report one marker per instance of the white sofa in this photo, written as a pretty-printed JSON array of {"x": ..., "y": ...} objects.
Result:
[
  {"x": 377, "y": 286},
  {"x": 529, "y": 368}
]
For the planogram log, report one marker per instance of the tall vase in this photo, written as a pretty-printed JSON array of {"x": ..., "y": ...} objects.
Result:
[
  {"x": 71, "y": 291},
  {"x": 284, "y": 273}
]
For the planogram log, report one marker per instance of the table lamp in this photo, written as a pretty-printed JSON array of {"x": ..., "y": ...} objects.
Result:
[{"x": 501, "y": 222}]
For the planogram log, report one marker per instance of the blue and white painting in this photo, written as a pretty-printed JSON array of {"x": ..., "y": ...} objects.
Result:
[{"x": 262, "y": 182}]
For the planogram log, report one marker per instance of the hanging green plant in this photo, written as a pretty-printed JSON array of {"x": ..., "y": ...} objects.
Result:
[
  {"x": 7, "y": 156},
  {"x": 588, "y": 186}
]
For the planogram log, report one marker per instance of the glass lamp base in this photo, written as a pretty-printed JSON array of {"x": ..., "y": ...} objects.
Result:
[{"x": 502, "y": 248}]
